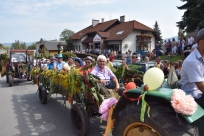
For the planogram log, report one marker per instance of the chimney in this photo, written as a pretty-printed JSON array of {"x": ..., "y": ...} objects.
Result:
[
  {"x": 94, "y": 22},
  {"x": 122, "y": 18},
  {"x": 102, "y": 20}
]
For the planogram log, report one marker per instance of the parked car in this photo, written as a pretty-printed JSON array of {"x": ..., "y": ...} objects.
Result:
[
  {"x": 145, "y": 65},
  {"x": 141, "y": 52}
]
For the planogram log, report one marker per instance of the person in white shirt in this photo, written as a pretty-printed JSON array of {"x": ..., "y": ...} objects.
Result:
[
  {"x": 44, "y": 64},
  {"x": 195, "y": 45},
  {"x": 190, "y": 41},
  {"x": 182, "y": 45}
]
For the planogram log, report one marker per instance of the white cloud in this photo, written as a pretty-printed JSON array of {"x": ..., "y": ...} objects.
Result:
[
  {"x": 34, "y": 19},
  {"x": 24, "y": 7}
]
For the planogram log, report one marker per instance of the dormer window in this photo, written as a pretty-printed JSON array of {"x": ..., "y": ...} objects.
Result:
[
  {"x": 120, "y": 32},
  {"x": 80, "y": 33}
]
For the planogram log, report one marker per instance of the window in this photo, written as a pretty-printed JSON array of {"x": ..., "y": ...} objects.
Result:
[
  {"x": 18, "y": 57},
  {"x": 80, "y": 33},
  {"x": 143, "y": 32},
  {"x": 120, "y": 32}
]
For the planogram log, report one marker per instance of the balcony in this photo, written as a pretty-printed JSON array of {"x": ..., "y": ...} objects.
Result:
[{"x": 143, "y": 38}]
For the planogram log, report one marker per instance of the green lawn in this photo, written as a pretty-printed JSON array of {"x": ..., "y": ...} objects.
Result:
[{"x": 173, "y": 59}]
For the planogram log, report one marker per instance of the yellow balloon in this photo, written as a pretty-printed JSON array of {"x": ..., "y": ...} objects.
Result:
[{"x": 153, "y": 77}]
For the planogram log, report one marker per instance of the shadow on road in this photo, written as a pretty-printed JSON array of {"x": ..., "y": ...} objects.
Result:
[
  {"x": 16, "y": 82},
  {"x": 52, "y": 119}
]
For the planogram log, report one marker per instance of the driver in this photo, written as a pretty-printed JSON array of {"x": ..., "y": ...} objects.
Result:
[
  {"x": 192, "y": 72},
  {"x": 107, "y": 78},
  {"x": 59, "y": 64}
]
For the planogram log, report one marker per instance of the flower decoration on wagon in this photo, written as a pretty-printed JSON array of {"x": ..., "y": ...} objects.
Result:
[{"x": 182, "y": 103}]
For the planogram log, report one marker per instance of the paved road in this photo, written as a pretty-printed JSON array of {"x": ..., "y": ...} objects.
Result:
[{"x": 21, "y": 113}]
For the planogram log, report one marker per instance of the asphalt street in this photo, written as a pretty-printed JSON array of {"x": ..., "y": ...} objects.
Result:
[{"x": 22, "y": 114}]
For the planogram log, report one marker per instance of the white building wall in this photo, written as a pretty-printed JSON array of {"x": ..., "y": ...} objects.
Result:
[
  {"x": 79, "y": 43},
  {"x": 76, "y": 44},
  {"x": 83, "y": 47},
  {"x": 131, "y": 43}
]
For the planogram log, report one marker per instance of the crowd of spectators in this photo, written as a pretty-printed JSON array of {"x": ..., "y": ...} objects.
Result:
[
  {"x": 166, "y": 65},
  {"x": 183, "y": 46}
]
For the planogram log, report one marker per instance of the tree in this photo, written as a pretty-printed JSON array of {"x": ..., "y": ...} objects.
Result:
[
  {"x": 15, "y": 45},
  {"x": 69, "y": 45},
  {"x": 158, "y": 32},
  {"x": 18, "y": 45},
  {"x": 66, "y": 34},
  {"x": 23, "y": 46},
  {"x": 193, "y": 17},
  {"x": 32, "y": 47}
]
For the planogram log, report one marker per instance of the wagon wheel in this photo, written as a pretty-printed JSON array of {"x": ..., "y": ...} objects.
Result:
[
  {"x": 162, "y": 122},
  {"x": 80, "y": 120},
  {"x": 7, "y": 76},
  {"x": 42, "y": 95}
]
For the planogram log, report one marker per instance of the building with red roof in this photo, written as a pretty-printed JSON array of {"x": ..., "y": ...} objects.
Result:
[{"x": 115, "y": 34}]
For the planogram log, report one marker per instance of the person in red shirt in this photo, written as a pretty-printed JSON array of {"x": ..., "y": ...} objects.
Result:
[
  {"x": 111, "y": 58},
  {"x": 88, "y": 61}
]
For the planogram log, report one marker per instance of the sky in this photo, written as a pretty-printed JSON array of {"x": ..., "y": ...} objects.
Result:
[{"x": 30, "y": 20}]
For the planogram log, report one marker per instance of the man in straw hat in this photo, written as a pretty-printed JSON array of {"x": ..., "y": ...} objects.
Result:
[
  {"x": 88, "y": 61},
  {"x": 59, "y": 64},
  {"x": 192, "y": 72}
]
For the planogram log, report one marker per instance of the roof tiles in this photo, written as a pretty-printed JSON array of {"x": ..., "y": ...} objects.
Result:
[
  {"x": 103, "y": 34},
  {"x": 81, "y": 33},
  {"x": 120, "y": 31},
  {"x": 140, "y": 26},
  {"x": 52, "y": 45},
  {"x": 112, "y": 30},
  {"x": 101, "y": 27}
]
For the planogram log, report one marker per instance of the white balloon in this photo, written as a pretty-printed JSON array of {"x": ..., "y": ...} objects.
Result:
[{"x": 153, "y": 77}]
